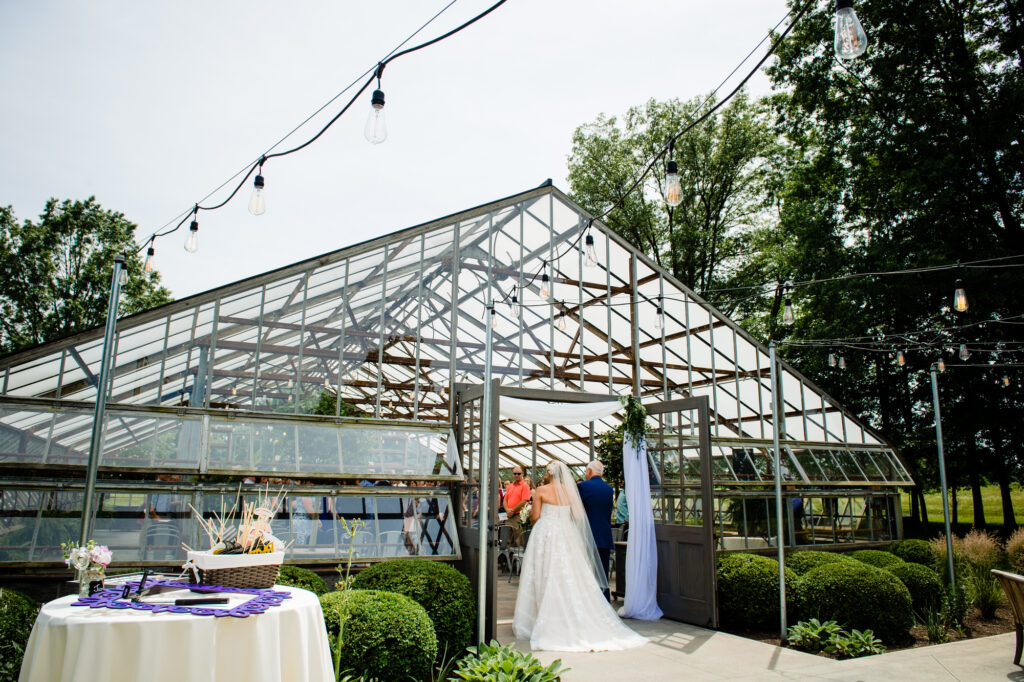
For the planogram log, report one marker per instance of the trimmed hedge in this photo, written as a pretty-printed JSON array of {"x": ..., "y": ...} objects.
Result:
[
  {"x": 859, "y": 596},
  {"x": 17, "y": 615},
  {"x": 748, "y": 589},
  {"x": 914, "y": 551},
  {"x": 440, "y": 589},
  {"x": 876, "y": 558},
  {"x": 304, "y": 578},
  {"x": 923, "y": 583},
  {"x": 386, "y": 636},
  {"x": 801, "y": 562}
]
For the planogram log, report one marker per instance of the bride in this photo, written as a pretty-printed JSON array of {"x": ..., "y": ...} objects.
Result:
[{"x": 561, "y": 606}]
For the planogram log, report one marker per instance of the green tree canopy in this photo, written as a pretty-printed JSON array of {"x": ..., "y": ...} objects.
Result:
[{"x": 55, "y": 272}]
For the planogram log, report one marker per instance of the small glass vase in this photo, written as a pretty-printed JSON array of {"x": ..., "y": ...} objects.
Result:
[{"x": 85, "y": 579}]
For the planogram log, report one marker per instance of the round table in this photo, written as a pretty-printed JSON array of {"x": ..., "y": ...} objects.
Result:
[{"x": 287, "y": 642}]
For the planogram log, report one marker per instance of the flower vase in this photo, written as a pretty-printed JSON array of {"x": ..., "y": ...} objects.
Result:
[{"x": 85, "y": 579}]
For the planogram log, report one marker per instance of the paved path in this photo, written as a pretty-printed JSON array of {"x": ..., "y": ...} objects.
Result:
[{"x": 685, "y": 652}]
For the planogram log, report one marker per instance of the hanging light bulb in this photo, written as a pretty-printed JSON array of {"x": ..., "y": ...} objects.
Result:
[
  {"x": 850, "y": 41},
  {"x": 832, "y": 360},
  {"x": 964, "y": 353},
  {"x": 545, "y": 285},
  {"x": 941, "y": 365},
  {"x": 589, "y": 253},
  {"x": 673, "y": 188},
  {"x": 122, "y": 276},
  {"x": 257, "y": 203},
  {"x": 147, "y": 267},
  {"x": 842, "y": 362},
  {"x": 900, "y": 360},
  {"x": 192, "y": 241},
  {"x": 787, "y": 314},
  {"x": 1006, "y": 380},
  {"x": 659, "y": 320},
  {"x": 959, "y": 297},
  {"x": 376, "y": 130},
  {"x": 561, "y": 319}
]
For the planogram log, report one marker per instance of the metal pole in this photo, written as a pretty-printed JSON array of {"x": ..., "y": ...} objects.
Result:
[
  {"x": 483, "y": 516},
  {"x": 942, "y": 477},
  {"x": 95, "y": 443},
  {"x": 778, "y": 489}
]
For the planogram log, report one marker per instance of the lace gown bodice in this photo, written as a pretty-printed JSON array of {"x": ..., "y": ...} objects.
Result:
[{"x": 560, "y": 606}]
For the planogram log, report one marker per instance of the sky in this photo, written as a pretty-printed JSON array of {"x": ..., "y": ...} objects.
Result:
[{"x": 149, "y": 106}]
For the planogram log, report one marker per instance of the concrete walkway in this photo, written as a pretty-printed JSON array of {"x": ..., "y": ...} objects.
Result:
[{"x": 686, "y": 652}]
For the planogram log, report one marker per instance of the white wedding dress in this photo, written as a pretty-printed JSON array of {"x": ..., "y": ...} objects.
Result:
[{"x": 561, "y": 606}]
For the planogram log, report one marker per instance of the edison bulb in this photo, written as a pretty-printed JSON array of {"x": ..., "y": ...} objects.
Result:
[
  {"x": 659, "y": 320},
  {"x": 832, "y": 360},
  {"x": 376, "y": 130},
  {"x": 942, "y": 365},
  {"x": 964, "y": 353},
  {"x": 673, "y": 188},
  {"x": 589, "y": 253},
  {"x": 192, "y": 241},
  {"x": 787, "y": 314},
  {"x": 850, "y": 40},
  {"x": 147, "y": 267},
  {"x": 842, "y": 362},
  {"x": 900, "y": 360},
  {"x": 545, "y": 286},
  {"x": 960, "y": 297},
  {"x": 561, "y": 321},
  {"x": 257, "y": 203}
]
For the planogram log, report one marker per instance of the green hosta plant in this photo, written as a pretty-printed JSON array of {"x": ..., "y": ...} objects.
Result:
[
  {"x": 812, "y": 635},
  {"x": 855, "y": 644},
  {"x": 495, "y": 663}
]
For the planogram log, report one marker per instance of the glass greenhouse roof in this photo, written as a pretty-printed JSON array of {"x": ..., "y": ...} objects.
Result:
[{"x": 390, "y": 325}]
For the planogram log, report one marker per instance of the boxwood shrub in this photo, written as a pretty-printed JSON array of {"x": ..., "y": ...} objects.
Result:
[
  {"x": 440, "y": 589},
  {"x": 914, "y": 551},
  {"x": 302, "y": 577},
  {"x": 923, "y": 583},
  {"x": 856, "y": 595},
  {"x": 801, "y": 562},
  {"x": 17, "y": 615},
  {"x": 385, "y": 635},
  {"x": 876, "y": 557},
  {"x": 748, "y": 590}
]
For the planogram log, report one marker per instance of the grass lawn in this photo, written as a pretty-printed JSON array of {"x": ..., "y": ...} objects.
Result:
[{"x": 990, "y": 501}]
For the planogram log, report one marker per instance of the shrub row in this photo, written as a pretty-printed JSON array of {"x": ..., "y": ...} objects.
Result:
[
  {"x": 853, "y": 590},
  {"x": 17, "y": 615}
]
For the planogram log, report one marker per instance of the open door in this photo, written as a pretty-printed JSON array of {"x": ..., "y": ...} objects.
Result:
[
  {"x": 680, "y": 458},
  {"x": 469, "y": 434}
]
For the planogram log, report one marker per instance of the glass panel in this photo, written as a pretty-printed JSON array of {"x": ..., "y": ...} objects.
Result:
[{"x": 34, "y": 523}]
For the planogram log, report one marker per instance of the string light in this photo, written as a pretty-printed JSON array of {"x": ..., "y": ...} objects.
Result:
[
  {"x": 659, "y": 320},
  {"x": 122, "y": 276},
  {"x": 147, "y": 267},
  {"x": 561, "y": 317},
  {"x": 959, "y": 297},
  {"x": 673, "y": 188},
  {"x": 545, "y": 284},
  {"x": 192, "y": 241},
  {"x": 589, "y": 252},
  {"x": 941, "y": 364},
  {"x": 257, "y": 203},
  {"x": 850, "y": 39},
  {"x": 964, "y": 353},
  {"x": 842, "y": 362},
  {"x": 832, "y": 360},
  {"x": 376, "y": 130},
  {"x": 900, "y": 359},
  {"x": 1006, "y": 380},
  {"x": 788, "y": 317}
]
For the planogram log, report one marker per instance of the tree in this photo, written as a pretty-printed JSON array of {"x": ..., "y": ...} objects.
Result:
[
  {"x": 910, "y": 156},
  {"x": 723, "y": 163},
  {"x": 55, "y": 273}
]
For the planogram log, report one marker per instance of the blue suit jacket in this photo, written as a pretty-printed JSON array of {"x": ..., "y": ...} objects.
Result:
[{"x": 597, "y": 501}]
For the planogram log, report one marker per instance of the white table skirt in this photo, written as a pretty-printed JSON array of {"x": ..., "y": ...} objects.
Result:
[{"x": 76, "y": 643}]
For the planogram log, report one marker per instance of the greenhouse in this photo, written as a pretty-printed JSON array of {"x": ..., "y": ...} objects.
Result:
[{"x": 353, "y": 381}]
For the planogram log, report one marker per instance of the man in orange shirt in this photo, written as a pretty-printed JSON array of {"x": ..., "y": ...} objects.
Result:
[{"x": 516, "y": 497}]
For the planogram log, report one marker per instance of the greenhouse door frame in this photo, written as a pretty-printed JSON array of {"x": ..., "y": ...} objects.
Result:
[
  {"x": 467, "y": 426},
  {"x": 686, "y": 553}
]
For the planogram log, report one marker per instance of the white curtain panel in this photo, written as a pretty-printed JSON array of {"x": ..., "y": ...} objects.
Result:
[
  {"x": 641, "y": 551},
  {"x": 544, "y": 412}
]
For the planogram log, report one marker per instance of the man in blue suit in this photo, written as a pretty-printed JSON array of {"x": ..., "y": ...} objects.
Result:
[{"x": 597, "y": 501}]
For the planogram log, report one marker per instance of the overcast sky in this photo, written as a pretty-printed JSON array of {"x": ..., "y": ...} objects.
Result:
[{"x": 151, "y": 105}]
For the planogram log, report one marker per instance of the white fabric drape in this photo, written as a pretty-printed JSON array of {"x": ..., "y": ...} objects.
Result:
[
  {"x": 544, "y": 412},
  {"x": 641, "y": 551}
]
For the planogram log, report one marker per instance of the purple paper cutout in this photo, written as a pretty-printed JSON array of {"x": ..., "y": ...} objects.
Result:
[{"x": 263, "y": 599}]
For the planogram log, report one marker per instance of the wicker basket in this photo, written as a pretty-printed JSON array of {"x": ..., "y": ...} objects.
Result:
[{"x": 254, "y": 571}]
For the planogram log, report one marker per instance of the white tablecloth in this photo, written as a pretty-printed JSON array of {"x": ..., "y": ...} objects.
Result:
[{"x": 75, "y": 643}]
